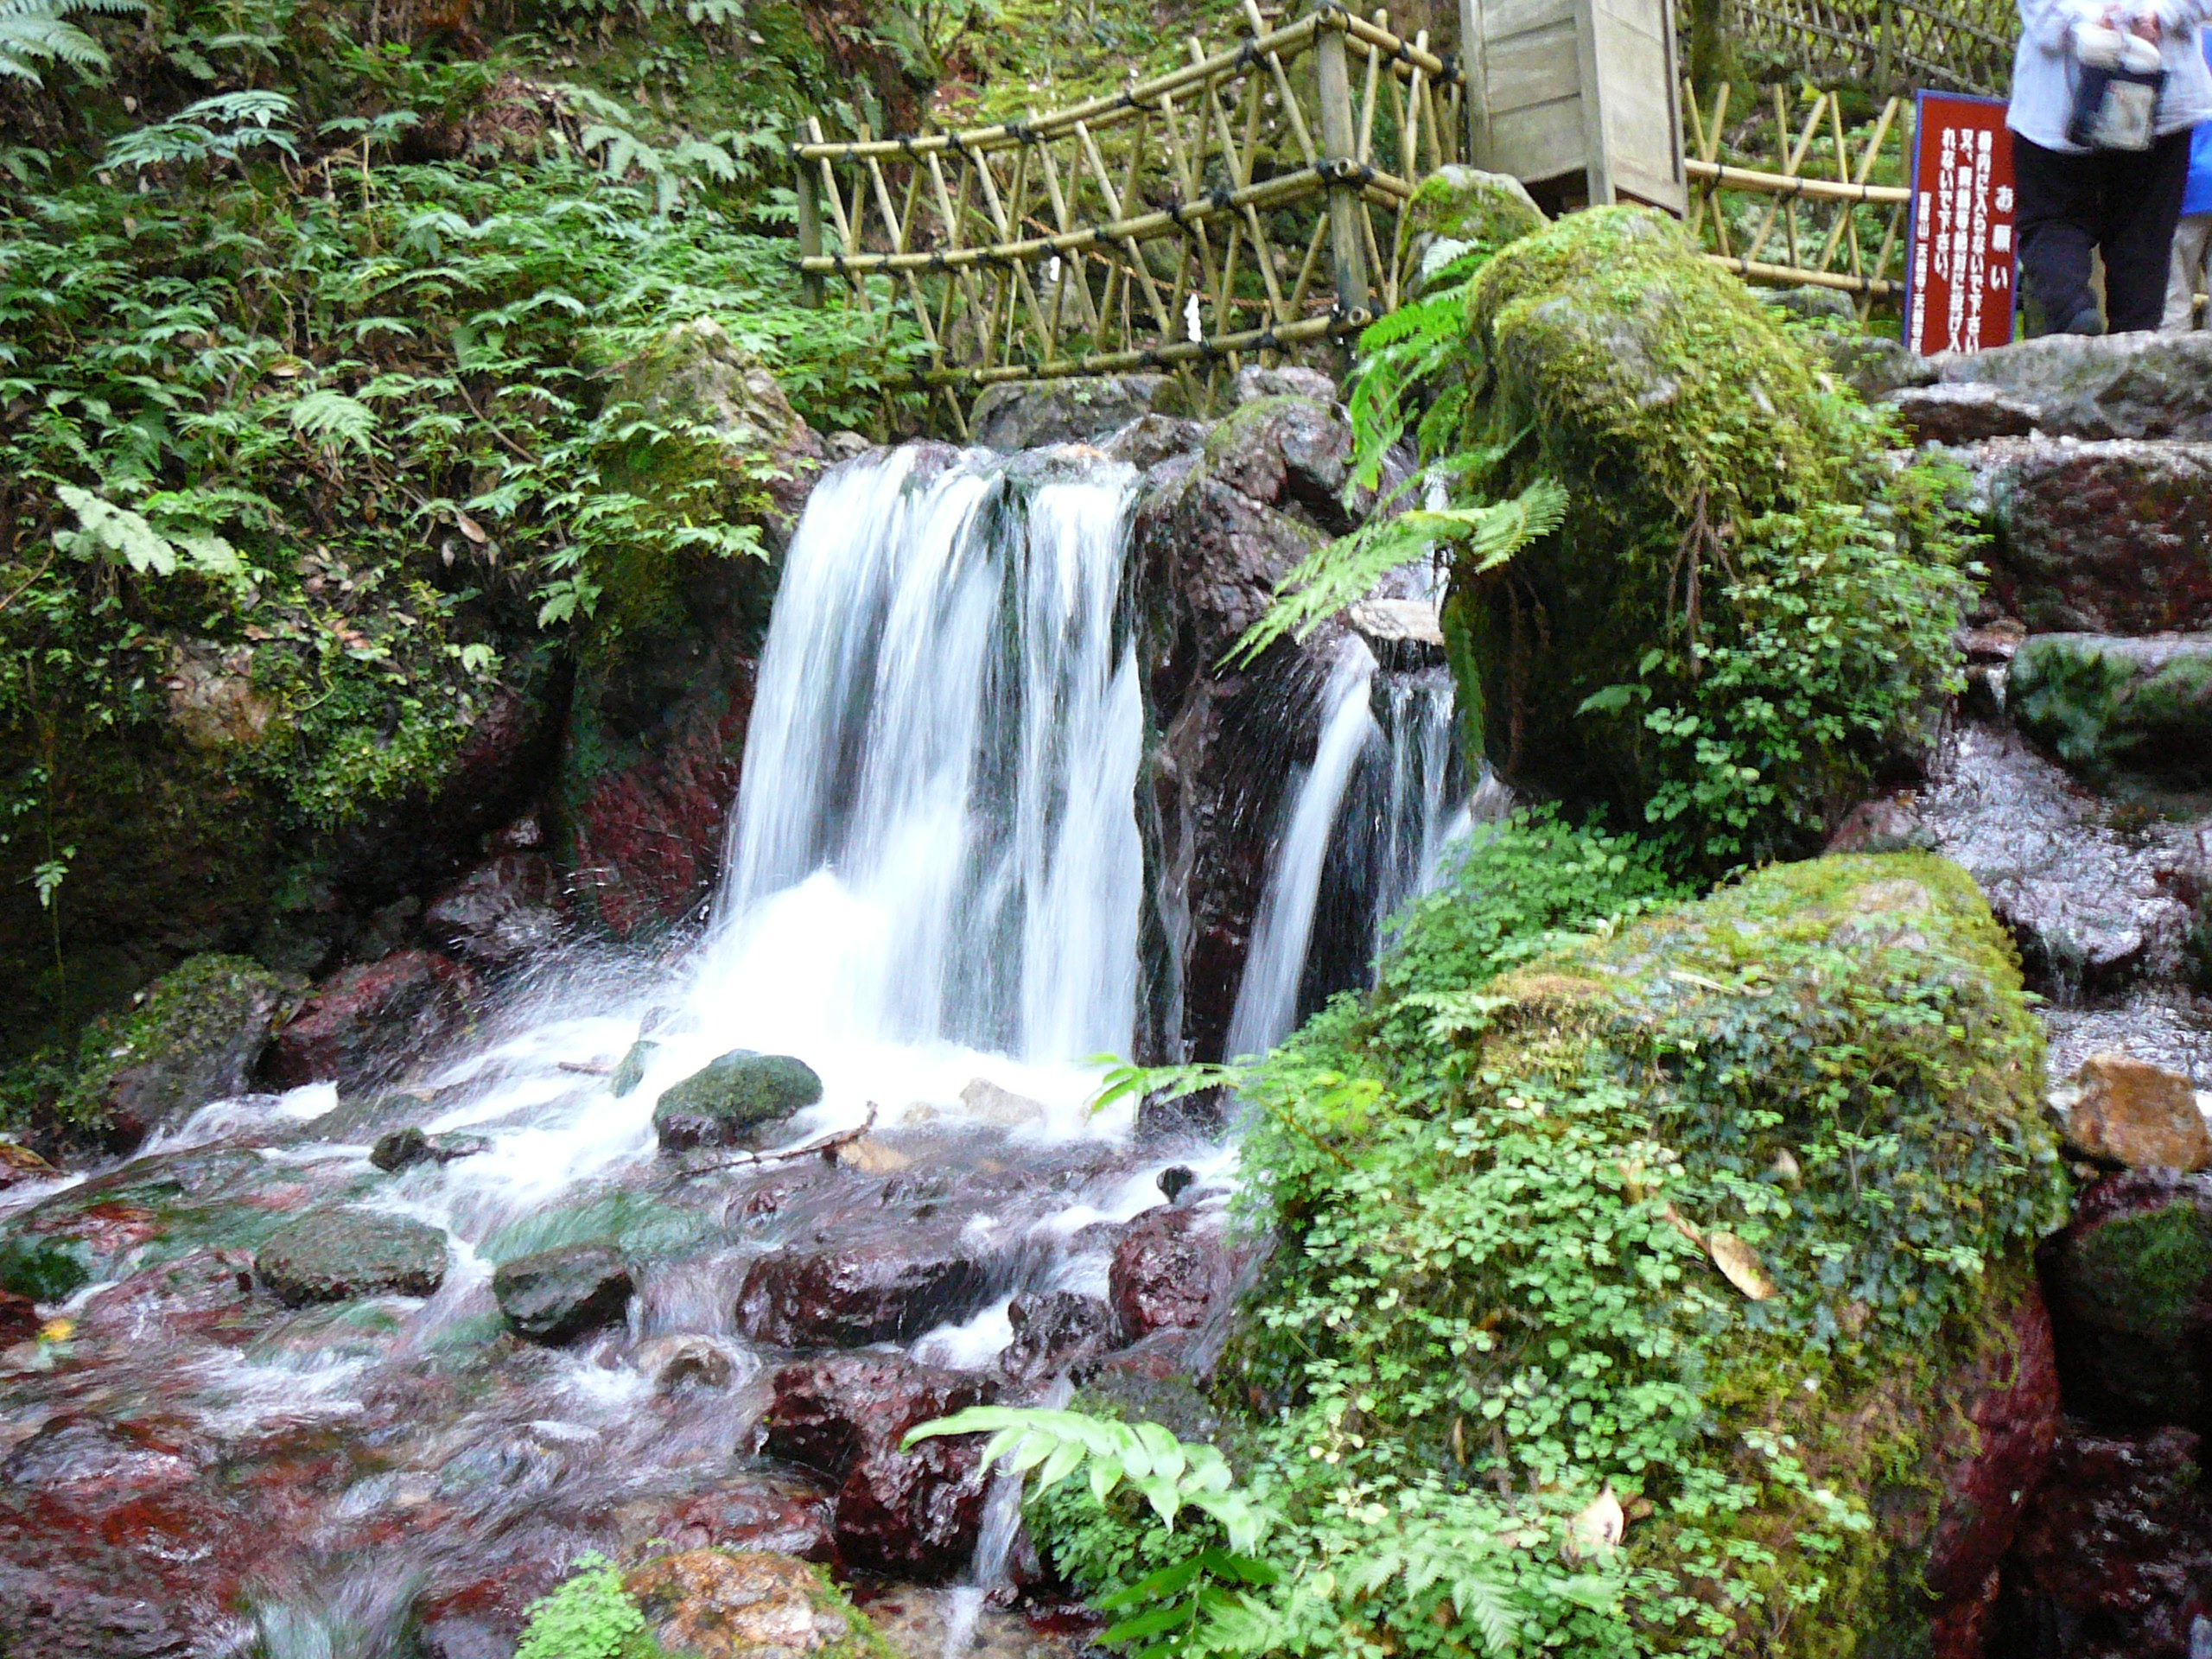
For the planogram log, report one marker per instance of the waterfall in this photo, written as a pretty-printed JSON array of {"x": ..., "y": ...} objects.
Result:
[
  {"x": 1366, "y": 829},
  {"x": 1266, "y": 1000},
  {"x": 935, "y": 847}
]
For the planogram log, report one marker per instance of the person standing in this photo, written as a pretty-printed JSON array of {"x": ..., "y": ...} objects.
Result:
[
  {"x": 2193, "y": 235},
  {"x": 2075, "y": 201}
]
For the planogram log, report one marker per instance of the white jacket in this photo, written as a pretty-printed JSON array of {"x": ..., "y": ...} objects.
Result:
[{"x": 2044, "y": 69}]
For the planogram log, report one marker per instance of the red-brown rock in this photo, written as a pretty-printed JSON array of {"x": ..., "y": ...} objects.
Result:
[
  {"x": 787, "y": 1513},
  {"x": 885, "y": 1286},
  {"x": 2010, "y": 1401},
  {"x": 830, "y": 1413},
  {"x": 2114, "y": 1555},
  {"x": 915, "y": 1515},
  {"x": 366, "y": 1022},
  {"x": 1169, "y": 1269}
]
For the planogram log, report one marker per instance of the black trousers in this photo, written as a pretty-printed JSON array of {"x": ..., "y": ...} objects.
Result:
[{"x": 2122, "y": 203}]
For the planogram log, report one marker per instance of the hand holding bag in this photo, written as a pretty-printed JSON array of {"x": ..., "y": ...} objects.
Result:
[{"x": 2116, "y": 97}]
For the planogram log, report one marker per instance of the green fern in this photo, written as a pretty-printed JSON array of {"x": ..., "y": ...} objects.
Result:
[
  {"x": 1483, "y": 538},
  {"x": 34, "y": 32}
]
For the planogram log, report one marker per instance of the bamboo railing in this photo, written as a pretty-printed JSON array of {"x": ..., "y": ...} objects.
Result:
[
  {"x": 1819, "y": 217},
  {"x": 1250, "y": 205},
  {"x": 1886, "y": 48}
]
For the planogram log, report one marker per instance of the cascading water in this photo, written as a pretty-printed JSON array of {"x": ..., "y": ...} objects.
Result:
[
  {"x": 1267, "y": 1001},
  {"x": 1365, "y": 830}
]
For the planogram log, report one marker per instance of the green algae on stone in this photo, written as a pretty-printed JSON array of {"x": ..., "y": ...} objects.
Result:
[{"x": 731, "y": 1101}]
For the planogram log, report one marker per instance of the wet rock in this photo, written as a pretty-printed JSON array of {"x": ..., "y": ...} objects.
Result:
[
  {"x": 690, "y": 1361},
  {"x": 1150, "y": 439},
  {"x": 987, "y": 1102},
  {"x": 630, "y": 1071},
  {"x": 2104, "y": 704},
  {"x": 2125, "y": 1112},
  {"x": 881, "y": 1285},
  {"x": 1201, "y": 1115},
  {"x": 2166, "y": 1024},
  {"x": 1056, "y": 1333},
  {"x": 1253, "y": 383},
  {"x": 193, "y": 1036},
  {"x": 1170, "y": 1269},
  {"x": 335, "y": 1255},
  {"x": 1960, "y": 413},
  {"x": 845, "y": 445},
  {"x": 872, "y": 1154},
  {"x": 368, "y": 1021},
  {"x": 2113, "y": 1559},
  {"x": 915, "y": 1515},
  {"x": 711, "y": 1604},
  {"x": 736, "y": 1101},
  {"x": 45, "y": 1616},
  {"x": 2137, "y": 386},
  {"x": 19, "y": 1164},
  {"x": 784, "y": 1512},
  {"x": 830, "y": 1413},
  {"x": 2113, "y": 537},
  {"x": 556, "y": 1295},
  {"x": 1292, "y": 452},
  {"x": 201, "y": 1291},
  {"x": 19, "y": 1319},
  {"x": 81, "y": 1453},
  {"x": 1993, "y": 1462},
  {"x": 1028, "y": 414},
  {"x": 2090, "y": 902},
  {"x": 506, "y": 909},
  {"x": 401, "y": 1149},
  {"x": 2130, "y": 1283}
]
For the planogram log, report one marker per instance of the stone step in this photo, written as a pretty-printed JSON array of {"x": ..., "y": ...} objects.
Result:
[
  {"x": 2105, "y": 704},
  {"x": 2113, "y": 386},
  {"x": 2112, "y": 536}
]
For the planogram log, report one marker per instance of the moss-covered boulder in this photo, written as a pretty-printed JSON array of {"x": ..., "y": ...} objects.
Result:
[
  {"x": 335, "y": 1255},
  {"x": 734, "y": 1100},
  {"x": 193, "y": 1036},
  {"x": 2104, "y": 705},
  {"x": 1673, "y": 1286},
  {"x": 717, "y": 1603},
  {"x": 1460, "y": 209},
  {"x": 1747, "y": 614}
]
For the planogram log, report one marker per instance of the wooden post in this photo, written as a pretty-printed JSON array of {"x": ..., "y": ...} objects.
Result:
[
  {"x": 1340, "y": 146},
  {"x": 810, "y": 233}
]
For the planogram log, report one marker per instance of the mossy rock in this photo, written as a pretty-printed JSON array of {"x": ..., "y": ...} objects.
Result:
[
  {"x": 734, "y": 1100},
  {"x": 335, "y": 1255},
  {"x": 1735, "y": 631},
  {"x": 1470, "y": 209},
  {"x": 556, "y": 1295},
  {"x": 2131, "y": 1288},
  {"x": 193, "y": 1036},
  {"x": 727, "y": 1604},
  {"x": 1729, "y": 1210},
  {"x": 2104, "y": 705}
]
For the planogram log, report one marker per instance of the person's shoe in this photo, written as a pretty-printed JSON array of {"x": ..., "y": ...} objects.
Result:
[{"x": 2086, "y": 320}]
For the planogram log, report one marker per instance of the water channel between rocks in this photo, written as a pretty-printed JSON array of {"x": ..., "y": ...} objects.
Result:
[{"x": 933, "y": 898}]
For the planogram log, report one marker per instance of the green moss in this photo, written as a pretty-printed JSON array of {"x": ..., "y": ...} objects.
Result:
[
  {"x": 2145, "y": 1271},
  {"x": 1503, "y": 1190},
  {"x": 43, "y": 1270},
  {"x": 2107, "y": 705},
  {"x": 1746, "y": 613}
]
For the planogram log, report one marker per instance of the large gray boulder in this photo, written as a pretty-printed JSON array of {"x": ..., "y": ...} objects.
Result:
[
  {"x": 335, "y": 1255},
  {"x": 736, "y": 1101},
  {"x": 2108, "y": 386},
  {"x": 2105, "y": 538}
]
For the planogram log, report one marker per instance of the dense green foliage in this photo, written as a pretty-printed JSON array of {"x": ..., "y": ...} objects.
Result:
[
  {"x": 587, "y": 1617},
  {"x": 1623, "y": 1268}
]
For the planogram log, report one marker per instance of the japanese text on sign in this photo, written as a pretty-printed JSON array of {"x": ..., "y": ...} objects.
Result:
[{"x": 1959, "y": 278}]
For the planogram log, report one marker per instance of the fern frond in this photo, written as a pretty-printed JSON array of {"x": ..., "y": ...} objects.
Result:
[{"x": 1346, "y": 570}]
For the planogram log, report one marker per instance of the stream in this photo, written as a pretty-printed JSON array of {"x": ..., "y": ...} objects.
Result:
[{"x": 932, "y": 897}]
